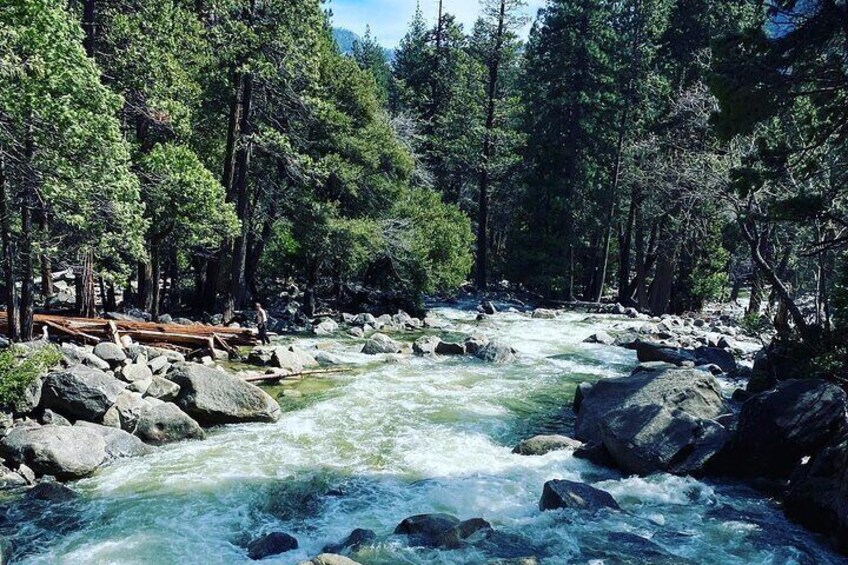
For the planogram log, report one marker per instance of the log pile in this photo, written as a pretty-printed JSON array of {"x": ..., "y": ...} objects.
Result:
[{"x": 194, "y": 338}]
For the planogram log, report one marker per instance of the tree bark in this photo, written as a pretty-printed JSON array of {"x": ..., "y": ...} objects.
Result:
[
  {"x": 156, "y": 272},
  {"x": 88, "y": 306},
  {"x": 89, "y": 16},
  {"x": 488, "y": 150},
  {"x": 27, "y": 307},
  {"x": 47, "y": 289},
  {"x": 8, "y": 254},
  {"x": 237, "y": 276}
]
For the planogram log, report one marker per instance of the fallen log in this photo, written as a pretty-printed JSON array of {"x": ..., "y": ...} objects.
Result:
[
  {"x": 275, "y": 377},
  {"x": 176, "y": 336}
]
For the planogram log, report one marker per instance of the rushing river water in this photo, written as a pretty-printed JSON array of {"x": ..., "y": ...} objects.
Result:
[{"x": 397, "y": 438}]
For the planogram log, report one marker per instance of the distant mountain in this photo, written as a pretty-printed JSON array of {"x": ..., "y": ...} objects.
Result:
[{"x": 346, "y": 38}]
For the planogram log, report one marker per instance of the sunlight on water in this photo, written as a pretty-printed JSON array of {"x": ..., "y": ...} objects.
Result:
[{"x": 366, "y": 449}]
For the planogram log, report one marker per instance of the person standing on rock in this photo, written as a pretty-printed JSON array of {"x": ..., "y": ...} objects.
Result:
[{"x": 262, "y": 323}]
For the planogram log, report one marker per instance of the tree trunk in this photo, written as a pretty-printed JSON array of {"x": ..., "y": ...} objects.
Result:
[
  {"x": 8, "y": 254},
  {"x": 27, "y": 307},
  {"x": 488, "y": 150},
  {"x": 47, "y": 289},
  {"x": 625, "y": 242},
  {"x": 661, "y": 288},
  {"x": 174, "y": 297},
  {"x": 756, "y": 241},
  {"x": 237, "y": 279},
  {"x": 145, "y": 285},
  {"x": 89, "y": 14},
  {"x": 88, "y": 306},
  {"x": 156, "y": 275}
]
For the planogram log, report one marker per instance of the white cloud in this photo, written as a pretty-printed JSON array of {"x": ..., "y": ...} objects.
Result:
[{"x": 389, "y": 19}]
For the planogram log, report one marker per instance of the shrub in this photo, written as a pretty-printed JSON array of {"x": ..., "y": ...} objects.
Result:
[{"x": 20, "y": 367}]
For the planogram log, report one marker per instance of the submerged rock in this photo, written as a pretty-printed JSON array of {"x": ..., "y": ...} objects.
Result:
[
  {"x": 540, "y": 445},
  {"x": 568, "y": 494},
  {"x": 274, "y": 543},
  {"x": 352, "y": 542},
  {"x": 442, "y": 530},
  {"x": 81, "y": 392},
  {"x": 213, "y": 397},
  {"x": 51, "y": 491},
  {"x": 66, "y": 452},
  {"x": 329, "y": 559}
]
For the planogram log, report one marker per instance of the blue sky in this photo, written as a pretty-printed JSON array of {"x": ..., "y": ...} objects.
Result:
[{"x": 389, "y": 18}]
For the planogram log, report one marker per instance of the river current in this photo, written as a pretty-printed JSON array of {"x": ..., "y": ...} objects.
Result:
[{"x": 397, "y": 437}]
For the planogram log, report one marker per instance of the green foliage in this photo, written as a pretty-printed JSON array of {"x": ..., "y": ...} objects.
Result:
[
  {"x": 183, "y": 200},
  {"x": 20, "y": 367}
]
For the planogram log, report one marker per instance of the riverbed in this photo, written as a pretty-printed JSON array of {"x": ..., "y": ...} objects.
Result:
[{"x": 401, "y": 436}]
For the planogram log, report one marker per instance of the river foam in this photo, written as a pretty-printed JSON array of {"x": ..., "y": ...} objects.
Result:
[{"x": 412, "y": 436}]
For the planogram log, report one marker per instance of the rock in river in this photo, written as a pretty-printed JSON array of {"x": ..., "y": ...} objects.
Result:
[
  {"x": 569, "y": 494},
  {"x": 274, "y": 543},
  {"x": 164, "y": 423},
  {"x": 442, "y": 530},
  {"x": 81, "y": 392},
  {"x": 213, "y": 397},
  {"x": 540, "y": 445},
  {"x": 329, "y": 559},
  {"x": 777, "y": 428},
  {"x": 66, "y": 452},
  {"x": 380, "y": 343}
]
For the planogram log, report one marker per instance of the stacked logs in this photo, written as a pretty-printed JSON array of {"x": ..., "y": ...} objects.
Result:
[{"x": 193, "y": 338}]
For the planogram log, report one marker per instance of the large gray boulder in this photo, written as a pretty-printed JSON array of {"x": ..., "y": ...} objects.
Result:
[
  {"x": 162, "y": 389},
  {"x": 818, "y": 493},
  {"x": 496, "y": 351},
  {"x": 778, "y": 428},
  {"x": 165, "y": 423},
  {"x": 126, "y": 411},
  {"x": 426, "y": 345},
  {"x": 569, "y": 494},
  {"x": 645, "y": 439},
  {"x": 66, "y": 452},
  {"x": 119, "y": 444},
  {"x": 213, "y": 397},
  {"x": 689, "y": 390},
  {"x": 380, "y": 343},
  {"x": 81, "y": 392},
  {"x": 649, "y": 352}
]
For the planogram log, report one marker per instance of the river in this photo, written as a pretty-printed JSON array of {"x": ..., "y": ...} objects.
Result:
[{"x": 368, "y": 448}]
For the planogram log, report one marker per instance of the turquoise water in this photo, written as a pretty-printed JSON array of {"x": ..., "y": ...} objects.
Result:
[{"x": 398, "y": 437}]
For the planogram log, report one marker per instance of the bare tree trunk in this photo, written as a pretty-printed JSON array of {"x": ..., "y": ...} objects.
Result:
[
  {"x": 625, "y": 242},
  {"x": 47, "y": 290},
  {"x": 8, "y": 254},
  {"x": 88, "y": 307},
  {"x": 89, "y": 25},
  {"x": 156, "y": 276},
  {"x": 661, "y": 288},
  {"x": 27, "y": 307}
]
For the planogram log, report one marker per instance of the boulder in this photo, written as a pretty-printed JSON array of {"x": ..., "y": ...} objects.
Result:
[
  {"x": 689, "y": 390},
  {"x": 648, "y": 352},
  {"x": 30, "y": 398},
  {"x": 568, "y": 494},
  {"x": 778, "y": 428},
  {"x": 50, "y": 417},
  {"x": 818, "y": 493},
  {"x": 162, "y": 389},
  {"x": 119, "y": 444},
  {"x": 274, "y": 543},
  {"x": 595, "y": 452},
  {"x": 327, "y": 326},
  {"x": 543, "y": 314},
  {"x": 716, "y": 356},
  {"x": 601, "y": 337},
  {"x": 213, "y": 397},
  {"x": 126, "y": 411},
  {"x": 110, "y": 352},
  {"x": 136, "y": 372},
  {"x": 357, "y": 538},
  {"x": 327, "y": 359},
  {"x": 51, "y": 491},
  {"x": 10, "y": 479},
  {"x": 164, "y": 423},
  {"x": 441, "y": 530},
  {"x": 426, "y": 345},
  {"x": 474, "y": 344},
  {"x": 81, "y": 392},
  {"x": 380, "y": 343},
  {"x": 645, "y": 439},
  {"x": 92, "y": 360},
  {"x": 579, "y": 394},
  {"x": 365, "y": 319},
  {"x": 159, "y": 365},
  {"x": 446, "y": 348},
  {"x": 540, "y": 445},
  {"x": 496, "y": 352},
  {"x": 329, "y": 559},
  {"x": 66, "y": 452}
]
